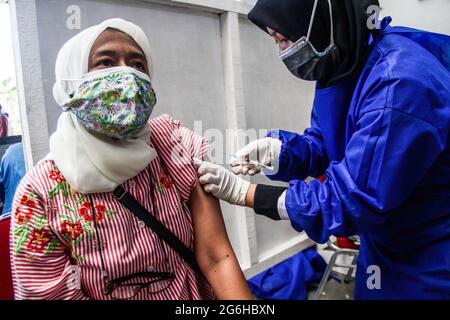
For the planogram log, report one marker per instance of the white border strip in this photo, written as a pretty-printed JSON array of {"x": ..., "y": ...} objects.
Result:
[
  {"x": 235, "y": 115},
  {"x": 30, "y": 90},
  {"x": 216, "y": 6}
]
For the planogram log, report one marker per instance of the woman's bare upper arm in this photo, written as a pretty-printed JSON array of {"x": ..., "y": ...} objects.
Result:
[{"x": 209, "y": 226}]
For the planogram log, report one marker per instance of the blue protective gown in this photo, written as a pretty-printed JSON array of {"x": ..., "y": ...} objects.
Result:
[{"x": 382, "y": 140}]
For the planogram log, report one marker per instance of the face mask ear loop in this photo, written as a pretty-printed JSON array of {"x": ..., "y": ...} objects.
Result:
[
  {"x": 332, "y": 24},
  {"x": 311, "y": 22}
]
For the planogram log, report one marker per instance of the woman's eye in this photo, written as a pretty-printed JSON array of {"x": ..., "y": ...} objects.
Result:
[
  {"x": 105, "y": 63},
  {"x": 138, "y": 66}
]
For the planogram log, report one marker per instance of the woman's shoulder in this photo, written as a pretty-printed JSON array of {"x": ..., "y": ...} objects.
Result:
[
  {"x": 42, "y": 177},
  {"x": 399, "y": 57},
  {"x": 401, "y": 75},
  {"x": 169, "y": 135},
  {"x": 164, "y": 126},
  {"x": 162, "y": 118},
  {"x": 177, "y": 146}
]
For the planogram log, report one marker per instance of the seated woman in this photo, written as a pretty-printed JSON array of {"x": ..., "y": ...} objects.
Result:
[{"x": 71, "y": 239}]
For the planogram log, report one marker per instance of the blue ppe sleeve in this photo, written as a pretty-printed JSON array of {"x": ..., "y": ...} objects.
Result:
[
  {"x": 384, "y": 161},
  {"x": 301, "y": 156}
]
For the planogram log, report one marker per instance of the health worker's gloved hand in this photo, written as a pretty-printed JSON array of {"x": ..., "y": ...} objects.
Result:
[
  {"x": 257, "y": 156},
  {"x": 222, "y": 183}
]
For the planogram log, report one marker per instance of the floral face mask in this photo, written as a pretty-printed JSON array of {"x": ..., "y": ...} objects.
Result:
[{"x": 116, "y": 102}]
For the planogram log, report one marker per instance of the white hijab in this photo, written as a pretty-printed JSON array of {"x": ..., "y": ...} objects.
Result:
[{"x": 90, "y": 162}]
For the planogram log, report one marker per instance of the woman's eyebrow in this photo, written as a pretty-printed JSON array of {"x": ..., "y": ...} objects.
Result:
[
  {"x": 100, "y": 53},
  {"x": 136, "y": 55}
]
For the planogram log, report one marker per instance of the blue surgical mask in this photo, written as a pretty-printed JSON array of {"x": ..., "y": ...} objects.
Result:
[{"x": 303, "y": 60}]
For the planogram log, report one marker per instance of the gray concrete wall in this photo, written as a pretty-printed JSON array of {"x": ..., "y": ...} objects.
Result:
[
  {"x": 431, "y": 15},
  {"x": 274, "y": 99}
]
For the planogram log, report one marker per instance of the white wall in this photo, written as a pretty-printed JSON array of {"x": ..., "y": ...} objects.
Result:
[{"x": 431, "y": 15}]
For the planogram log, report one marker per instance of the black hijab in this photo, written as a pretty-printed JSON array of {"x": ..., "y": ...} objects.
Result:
[{"x": 291, "y": 19}]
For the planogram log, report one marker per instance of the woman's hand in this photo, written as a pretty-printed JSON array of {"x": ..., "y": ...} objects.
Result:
[{"x": 222, "y": 183}]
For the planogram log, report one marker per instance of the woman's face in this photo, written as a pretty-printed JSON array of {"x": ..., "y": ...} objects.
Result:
[
  {"x": 280, "y": 40},
  {"x": 114, "y": 48}
]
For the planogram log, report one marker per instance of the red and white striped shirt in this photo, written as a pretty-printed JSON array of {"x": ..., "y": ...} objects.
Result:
[{"x": 54, "y": 235}]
